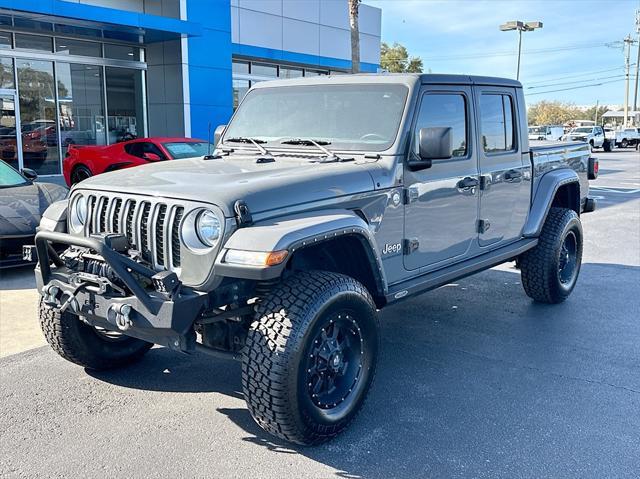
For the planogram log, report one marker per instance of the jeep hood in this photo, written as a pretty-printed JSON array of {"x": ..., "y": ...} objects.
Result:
[{"x": 287, "y": 181}]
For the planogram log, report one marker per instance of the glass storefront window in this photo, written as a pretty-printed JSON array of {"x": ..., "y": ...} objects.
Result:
[
  {"x": 67, "y": 46},
  {"x": 240, "y": 67},
  {"x": 8, "y": 135},
  {"x": 33, "y": 42},
  {"x": 6, "y": 73},
  {"x": 290, "y": 72},
  {"x": 123, "y": 52},
  {"x": 124, "y": 103},
  {"x": 240, "y": 88},
  {"x": 38, "y": 116},
  {"x": 6, "y": 42},
  {"x": 80, "y": 105},
  {"x": 314, "y": 73},
  {"x": 261, "y": 69}
]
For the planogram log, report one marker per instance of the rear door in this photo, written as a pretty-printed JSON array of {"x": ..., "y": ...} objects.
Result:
[
  {"x": 504, "y": 199},
  {"x": 442, "y": 203}
]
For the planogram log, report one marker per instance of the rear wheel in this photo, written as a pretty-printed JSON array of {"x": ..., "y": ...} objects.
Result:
[
  {"x": 82, "y": 344},
  {"x": 310, "y": 356},
  {"x": 79, "y": 174},
  {"x": 624, "y": 143},
  {"x": 550, "y": 270}
]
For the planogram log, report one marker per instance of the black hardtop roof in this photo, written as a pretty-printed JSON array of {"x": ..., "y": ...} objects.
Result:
[{"x": 405, "y": 78}]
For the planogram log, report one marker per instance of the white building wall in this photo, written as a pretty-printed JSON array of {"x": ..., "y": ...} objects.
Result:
[{"x": 313, "y": 27}]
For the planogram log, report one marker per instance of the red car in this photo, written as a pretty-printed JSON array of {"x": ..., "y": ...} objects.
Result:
[{"x": 81, "y": 162}]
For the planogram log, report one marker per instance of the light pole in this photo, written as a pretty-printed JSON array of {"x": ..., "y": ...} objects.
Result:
[{"x": 521, "y": 27}]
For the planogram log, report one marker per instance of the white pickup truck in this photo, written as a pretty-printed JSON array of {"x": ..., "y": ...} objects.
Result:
[
  {"x": 627, "y": 137},
  {"x": 546, "y": 132},
  {"x": 593, "y": 135}
]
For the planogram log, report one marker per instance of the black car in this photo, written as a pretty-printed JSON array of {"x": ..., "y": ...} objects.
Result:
[{"x": 22, "y": 202}]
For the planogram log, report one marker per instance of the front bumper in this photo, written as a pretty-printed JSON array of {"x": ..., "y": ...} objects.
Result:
[{"x": 164, "y": 318}]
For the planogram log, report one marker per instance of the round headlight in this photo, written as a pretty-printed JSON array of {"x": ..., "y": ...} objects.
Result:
[
  {"x": 78, "y": 213},
  {"x": 208, "y": 228}
]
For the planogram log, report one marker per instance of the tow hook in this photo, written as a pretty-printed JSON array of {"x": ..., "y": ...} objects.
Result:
[
  {"x": 50, "y": 295},
  {"x": 120, "y": 314}
]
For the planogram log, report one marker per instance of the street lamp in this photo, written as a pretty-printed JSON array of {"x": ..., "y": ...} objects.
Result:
[{"x": 521, "y": 27}]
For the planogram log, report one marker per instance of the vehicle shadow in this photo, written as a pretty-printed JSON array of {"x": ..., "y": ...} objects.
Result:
[
  {"x": 474, "y": 380},
  {"x": 19, "y": 277}
]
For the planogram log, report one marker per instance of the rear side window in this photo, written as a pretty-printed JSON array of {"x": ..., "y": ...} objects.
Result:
[
  {"x": 444, "y": 110},
  {"x": 496, "y": 123}
]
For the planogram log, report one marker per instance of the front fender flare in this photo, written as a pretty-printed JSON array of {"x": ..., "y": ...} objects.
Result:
[
  {"x": 548, "y": 186},
  {"x": 295, "y": 232}
]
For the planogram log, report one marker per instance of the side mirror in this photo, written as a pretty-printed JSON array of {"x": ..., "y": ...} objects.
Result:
[
  {"x": 217, "y": 134},
  {"x": 151, "y": 157},
  {"x": 436, "y": 143},
  {"x": 29, "y": 174}
]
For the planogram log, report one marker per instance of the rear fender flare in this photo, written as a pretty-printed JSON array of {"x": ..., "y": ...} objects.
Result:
[{"x": 543, "y": 197}]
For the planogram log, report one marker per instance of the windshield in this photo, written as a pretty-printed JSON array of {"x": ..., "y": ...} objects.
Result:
[
  {"x": 348, "y": 117},
  {"x": 537, "y": 129},
  {"x": 9, "y": 176},
  {"x": 584, "y": 129},
  {"x": 187, "y": 149}
]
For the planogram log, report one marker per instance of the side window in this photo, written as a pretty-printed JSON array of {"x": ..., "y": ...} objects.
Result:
[
  {"x": 496, "y": 123},
  {"x": 134, "y": 149},
  {"x": 152, "y": 148},
  {"x": 444, "y": 110}
]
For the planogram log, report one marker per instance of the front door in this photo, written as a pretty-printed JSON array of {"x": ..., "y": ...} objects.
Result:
[
  {"x": 504, "y": 167},
  {"x": 442, "y": 201},
  {"x": 10, "y": 150}
]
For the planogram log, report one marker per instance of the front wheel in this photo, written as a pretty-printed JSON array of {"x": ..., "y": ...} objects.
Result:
[
  {"x": 550, "y": 269},
  {"x": 624, "y": 143},
  {"x": 310, "y": 356},
  {"x": 85, "y": 345}
]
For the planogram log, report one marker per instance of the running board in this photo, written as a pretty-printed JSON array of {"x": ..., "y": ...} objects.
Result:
[{"x": 435, "y": 279}]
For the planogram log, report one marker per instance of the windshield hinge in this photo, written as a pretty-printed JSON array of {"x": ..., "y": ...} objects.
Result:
[{"x": 243, "y": 215}]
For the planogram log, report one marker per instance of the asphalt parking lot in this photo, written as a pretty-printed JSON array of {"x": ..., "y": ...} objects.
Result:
[{"x": 475, "y": 380}]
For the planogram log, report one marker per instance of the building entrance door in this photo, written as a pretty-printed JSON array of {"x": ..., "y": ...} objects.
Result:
[{"x": 10, "y": 147}]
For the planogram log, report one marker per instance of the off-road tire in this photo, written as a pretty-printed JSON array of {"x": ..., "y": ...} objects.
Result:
[
  {"x": 80, "y": 343},
  {"x": 540, "y": 265},
  {"x": 79, "y": 174},
  {"x": 275, "y": 358}
]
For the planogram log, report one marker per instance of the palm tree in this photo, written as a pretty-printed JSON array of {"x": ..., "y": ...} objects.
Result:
[{"x": 355, "y": 35}]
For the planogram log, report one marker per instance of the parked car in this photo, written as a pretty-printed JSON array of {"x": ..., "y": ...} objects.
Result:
[
  {"x": 327, "y": 200},
  {"x": 82, "y": 162},
  {"x": 593, "y": 135},
  {"x": 627, "y": 137},
  {"x": 546, "y": 132},
  {"x": 22, "y": 202}
]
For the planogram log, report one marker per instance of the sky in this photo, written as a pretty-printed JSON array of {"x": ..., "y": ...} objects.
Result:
[{"x": 579, "y": 45}]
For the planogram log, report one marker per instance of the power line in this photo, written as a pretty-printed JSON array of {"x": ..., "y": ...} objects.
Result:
[
  {"x": 575, "y": 81},
  {"x": 577, "y": 75},
  {"x": 510, "y": 53},
  {"x": 574, "y": 88}
]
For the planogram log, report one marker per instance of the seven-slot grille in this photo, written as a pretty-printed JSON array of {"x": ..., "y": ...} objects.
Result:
[{"x": 151, "y": 227}]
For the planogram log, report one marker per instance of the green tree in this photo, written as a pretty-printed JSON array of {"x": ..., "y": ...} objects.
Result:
[
  {"x": 553, "y": 113},
  {"x": 395, "y": 59}
]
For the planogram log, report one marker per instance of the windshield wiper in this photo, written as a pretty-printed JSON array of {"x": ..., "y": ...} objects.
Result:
[
  {"x": 331, "y": 156},
  {"x": 255, "y": 141}
]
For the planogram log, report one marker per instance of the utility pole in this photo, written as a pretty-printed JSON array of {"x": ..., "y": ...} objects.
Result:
[
  {"x": 635, "y": 90},
  {"x": 595, "y": 121},
  {"x": 355, "y": 35},
  {"x": 628, "y": 41}
]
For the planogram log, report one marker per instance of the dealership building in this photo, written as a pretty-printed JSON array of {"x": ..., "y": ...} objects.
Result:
[{"x": 96, "y": 72}]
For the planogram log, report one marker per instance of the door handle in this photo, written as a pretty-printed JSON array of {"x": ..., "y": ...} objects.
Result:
[
  {"x": 467, "y": 183},
  {"x": 512, "y": 176}
]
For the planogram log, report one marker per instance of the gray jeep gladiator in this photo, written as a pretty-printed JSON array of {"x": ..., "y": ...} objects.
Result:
[{"x": 325, "y": 200}]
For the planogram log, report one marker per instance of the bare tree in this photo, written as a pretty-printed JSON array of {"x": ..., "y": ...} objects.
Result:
[{"x": 355, "y": 35}]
